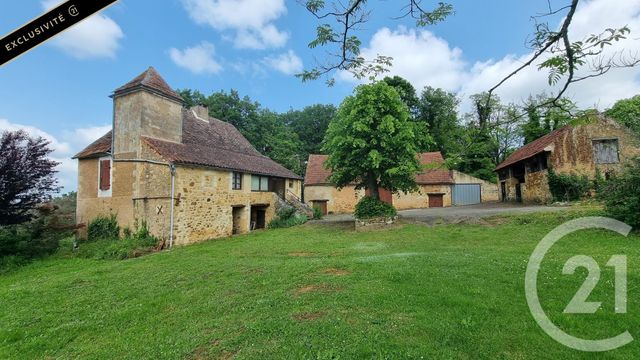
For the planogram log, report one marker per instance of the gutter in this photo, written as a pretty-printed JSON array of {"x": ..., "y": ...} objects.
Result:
[{"x": 172, "y": 167}]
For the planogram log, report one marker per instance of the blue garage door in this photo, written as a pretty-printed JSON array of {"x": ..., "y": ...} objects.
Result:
[{"x": 466, "y": 194}]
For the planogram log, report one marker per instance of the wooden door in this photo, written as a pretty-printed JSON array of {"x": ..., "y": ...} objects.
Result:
[
  {"x": 322, "y": 205},
  {"x": 436, "y": 200}
]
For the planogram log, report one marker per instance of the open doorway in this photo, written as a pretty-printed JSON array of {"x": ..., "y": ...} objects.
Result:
[
  {"x": 258, "y": 216},
  {"x": 239, "y": 220}
]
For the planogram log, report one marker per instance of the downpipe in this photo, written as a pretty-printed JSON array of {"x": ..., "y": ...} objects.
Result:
[{"x": 172, "y": 167}]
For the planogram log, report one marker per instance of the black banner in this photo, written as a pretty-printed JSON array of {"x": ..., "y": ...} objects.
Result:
[{"x": 47, "y": 26}]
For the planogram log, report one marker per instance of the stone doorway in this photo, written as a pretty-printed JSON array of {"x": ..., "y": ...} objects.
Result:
[
  {"x": 239, "y": 220},
  {"x": 258, "y": 217}
]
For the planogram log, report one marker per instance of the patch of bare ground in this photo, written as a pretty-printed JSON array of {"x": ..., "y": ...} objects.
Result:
[
  {"x": 309, "y": 316},
  {"x": 312, "y": 288},
  {"x": 202, "y": 352},
  {"x": 335, "y": 272}
]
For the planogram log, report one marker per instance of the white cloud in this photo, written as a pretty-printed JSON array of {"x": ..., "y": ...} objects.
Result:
[
  {"x": 425, "y": 59},
  {"x": 418, "y": 56},
  {"x": 96, "y": 37},
  {"x": 251, "y": 21},
  {"x": 198, "y": 59},
  {"x": 74, "y": 141},
  {"x": 287, "y": 63}
]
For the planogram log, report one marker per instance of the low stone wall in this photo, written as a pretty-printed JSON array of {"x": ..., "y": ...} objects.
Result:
[{"x": 375, "y": 223}]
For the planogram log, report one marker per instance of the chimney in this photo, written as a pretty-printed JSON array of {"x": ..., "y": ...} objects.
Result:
[{"x": 201, "y": 111}]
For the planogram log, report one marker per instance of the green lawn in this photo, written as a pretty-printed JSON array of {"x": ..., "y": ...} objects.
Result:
[{"x": 320, "y": 292}]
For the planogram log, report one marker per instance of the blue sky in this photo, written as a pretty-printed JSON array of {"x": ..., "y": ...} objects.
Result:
[{"x": 60, "y": 90}]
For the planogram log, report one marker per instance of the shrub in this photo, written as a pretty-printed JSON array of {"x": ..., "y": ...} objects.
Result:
[
  {"x": 369, "y": 207},
  {"x": 317, "y": 213},
  {"x": 286, "y": 217},
  {"x": 568, "y": 187},
  {"x": 135, "y": 244},
  {"x": 279, "y": 223},
  {"x": 103, "y": 228},
  {"x": 33, "y": 239},
  {"x": 621, "y": 195}
]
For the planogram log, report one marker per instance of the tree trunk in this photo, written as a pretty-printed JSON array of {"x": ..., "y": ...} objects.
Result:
[{"x": 372, "y": 185}]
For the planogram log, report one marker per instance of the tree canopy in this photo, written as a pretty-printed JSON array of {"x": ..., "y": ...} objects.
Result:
[
  {"x": 373, "y": 143},
  {"x": 627, "y": 112},
  {"x": 26, "y": 176}
]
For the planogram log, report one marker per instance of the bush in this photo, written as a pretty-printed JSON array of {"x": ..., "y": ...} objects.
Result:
[
  {"x": 568, "y": 187},
  {"x": 103, "y": 228},
  {"x": 286, "y": 217},
  {"x": 33, "y": 239},
  {"x": 369, "y": 207},
  {"x": 317, "y": 213},
  {"x": 132, "y": 245},
  {"x": 621, "y": 195}
]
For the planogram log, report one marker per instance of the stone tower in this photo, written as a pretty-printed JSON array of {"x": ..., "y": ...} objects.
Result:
[{"x": 145, "y": 106}]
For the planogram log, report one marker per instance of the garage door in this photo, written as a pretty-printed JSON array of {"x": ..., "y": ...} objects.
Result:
[{"x": 466, "y": 194}]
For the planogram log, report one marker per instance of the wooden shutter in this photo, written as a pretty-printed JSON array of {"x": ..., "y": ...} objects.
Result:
[{"x": 105, "y": 174}]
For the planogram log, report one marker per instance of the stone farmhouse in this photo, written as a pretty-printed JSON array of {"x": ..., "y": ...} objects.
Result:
[
  {"x": 601, "y": 145},
  {"x": 438, "y": 187},
  {"x": 190, "y": 177}
]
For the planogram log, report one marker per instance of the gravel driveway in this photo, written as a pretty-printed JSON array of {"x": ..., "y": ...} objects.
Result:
[{"x": 455, "y": 214}]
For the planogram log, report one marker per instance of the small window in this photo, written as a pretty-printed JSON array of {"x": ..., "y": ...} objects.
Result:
[
  {"x": 105, "y": 175},
  {"x": 236, "y": 182},
  {"x": 259, "y": 183},
  {"x": 290, "y": 183},
  {"x": 605, "y": 151}
]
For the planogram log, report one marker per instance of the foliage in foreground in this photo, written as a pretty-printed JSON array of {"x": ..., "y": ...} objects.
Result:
[
  {"x": 318, "y": 292},
  {"x": 37, "y": 238},
  {"x": 105, "y": 242},
  {"x": 287, "y": 217},
  {"x": 568, "y": 187},
  {"x": 103, "y": 227},
  {"x": 621, "y": 195},
  {"x": 369, "y": 207},
  {"x": 27, "y": 176}
]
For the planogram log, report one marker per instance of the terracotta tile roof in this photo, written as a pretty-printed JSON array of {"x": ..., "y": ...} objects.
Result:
[
  {"x": 317, "y": 174},
  {"x": 149, "y": 79},
  {"x": 97, "y": 148},
  {"x": 217, "y": 144},
  {"x": 533, "y": 148}
]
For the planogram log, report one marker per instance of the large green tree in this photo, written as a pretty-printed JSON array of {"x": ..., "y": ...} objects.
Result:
[
  {"x": 372, "y": 142},
  {"x": 627, "y": 112},
  {"x": 406, "y": 91},
  {"x": 439, "y": 110},
  {"x": 310, "y": 124}
]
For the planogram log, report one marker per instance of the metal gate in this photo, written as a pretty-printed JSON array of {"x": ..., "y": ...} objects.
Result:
[{"x": 466, "y": 194}]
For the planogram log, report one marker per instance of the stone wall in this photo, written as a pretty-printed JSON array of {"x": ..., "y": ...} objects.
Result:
[
  {"x": 338, "y": 201},
  {"x": 344, "y": 201},
  {"x": 206, "y": 201},
  {"x": 572, "y": 153},
  {"x": 420, "y": 199},
  {"x": 144, "y": 113}
]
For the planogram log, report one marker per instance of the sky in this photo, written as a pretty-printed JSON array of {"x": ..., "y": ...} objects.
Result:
[{"x": 60, "y": 90}]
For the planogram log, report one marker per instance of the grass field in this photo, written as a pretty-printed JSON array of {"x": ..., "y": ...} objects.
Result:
[{"x": 321, "y": 292}]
